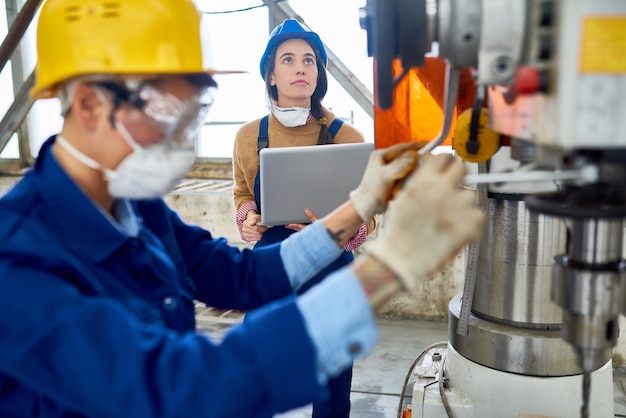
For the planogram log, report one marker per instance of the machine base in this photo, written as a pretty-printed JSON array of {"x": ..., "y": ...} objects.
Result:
[{"x": 476, "y": 391}]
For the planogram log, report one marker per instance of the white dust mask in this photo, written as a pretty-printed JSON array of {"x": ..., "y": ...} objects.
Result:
[
  {"x": 146, "y": 173},
  {"x": 152, "y": 171},
  {"x": 291, "y": 116}
]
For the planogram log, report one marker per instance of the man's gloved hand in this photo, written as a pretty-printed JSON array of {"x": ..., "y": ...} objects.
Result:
[
  {"x": 384, "y": 169},
  {"x": 429, "y": 221}
]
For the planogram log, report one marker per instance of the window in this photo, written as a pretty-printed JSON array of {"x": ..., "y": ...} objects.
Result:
[{"x": 238, "y": 40}]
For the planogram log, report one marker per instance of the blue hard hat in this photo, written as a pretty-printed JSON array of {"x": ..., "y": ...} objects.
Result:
[{"x": 291, "y": 28}]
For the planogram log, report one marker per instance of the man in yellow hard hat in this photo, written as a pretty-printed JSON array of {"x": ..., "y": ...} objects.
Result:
[{"x": 98, "y": 276}]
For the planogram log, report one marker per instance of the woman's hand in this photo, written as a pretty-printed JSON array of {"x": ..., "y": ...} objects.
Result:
[
  {"x": 251, "y": 229},
  {"x": 299, "y": 227}
]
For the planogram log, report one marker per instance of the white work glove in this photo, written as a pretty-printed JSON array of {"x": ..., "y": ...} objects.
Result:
[
  {"x": 429, "y": 221},
  {"x": 384, "y": 168}
]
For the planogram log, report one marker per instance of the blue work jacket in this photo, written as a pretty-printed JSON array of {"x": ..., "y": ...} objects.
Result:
[{"x": 98, "y": 323}]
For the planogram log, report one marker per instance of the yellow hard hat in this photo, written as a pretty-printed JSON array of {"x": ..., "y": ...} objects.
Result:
[{"x": 120, "y": 37}]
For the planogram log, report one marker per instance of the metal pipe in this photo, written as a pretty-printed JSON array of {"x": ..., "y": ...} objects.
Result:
[
  {"x": 17, "y": 30},
  {"x": 453, "y": 77},
  {"x": 17, "y": 112}
]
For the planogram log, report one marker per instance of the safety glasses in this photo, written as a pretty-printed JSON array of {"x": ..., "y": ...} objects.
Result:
[{"x": 179, "y": 121}]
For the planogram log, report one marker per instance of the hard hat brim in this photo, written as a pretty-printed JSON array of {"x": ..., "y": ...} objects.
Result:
[
  {"x": 211, "y": 72},
  {"x": 49, "y": 92}
]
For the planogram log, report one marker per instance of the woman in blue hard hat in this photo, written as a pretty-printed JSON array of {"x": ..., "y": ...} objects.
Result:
[{"x": 294, "y": 69}]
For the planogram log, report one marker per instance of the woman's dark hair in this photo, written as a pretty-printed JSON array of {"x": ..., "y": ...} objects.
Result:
[{"x": 316, "y": 98}]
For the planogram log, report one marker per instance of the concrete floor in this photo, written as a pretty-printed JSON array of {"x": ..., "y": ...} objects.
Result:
[{"x": 378, "y": 379}]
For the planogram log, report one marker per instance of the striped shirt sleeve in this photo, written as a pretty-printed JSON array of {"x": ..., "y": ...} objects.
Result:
[
  {"x": 241, "y": 215},
  {"x": 357, "y": 240}
]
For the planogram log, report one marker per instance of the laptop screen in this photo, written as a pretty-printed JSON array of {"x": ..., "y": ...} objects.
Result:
[{"x": 317, "y": 177}]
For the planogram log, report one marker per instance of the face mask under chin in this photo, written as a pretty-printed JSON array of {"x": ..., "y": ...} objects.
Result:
[{"x": 291, "y": 116}]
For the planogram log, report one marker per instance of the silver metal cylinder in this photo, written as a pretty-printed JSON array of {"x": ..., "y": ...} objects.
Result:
[
  {"x": 513, "y": 349},
  {"x": 595, "y": 241},
  {"x": 591, "y": 302},
  {"x": 514, "y": 267},
  {"x": 459, "y": 31}
]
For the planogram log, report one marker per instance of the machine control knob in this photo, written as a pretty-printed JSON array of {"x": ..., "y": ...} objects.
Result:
[
  {"x": 481, "y": 148},
  {"x": 530, "y": 80}
]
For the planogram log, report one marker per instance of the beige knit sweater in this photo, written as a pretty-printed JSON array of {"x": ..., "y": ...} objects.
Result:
[{"x": 246, "y": 159}]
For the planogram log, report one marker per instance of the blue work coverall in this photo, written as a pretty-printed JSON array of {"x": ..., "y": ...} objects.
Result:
[{"x": 97, "y": 322}]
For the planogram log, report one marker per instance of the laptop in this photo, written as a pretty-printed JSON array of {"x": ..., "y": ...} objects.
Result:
[{"x": 318, "y": 177}]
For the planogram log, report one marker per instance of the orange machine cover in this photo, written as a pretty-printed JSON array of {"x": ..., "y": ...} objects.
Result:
[{"x": 416, "y": 114}]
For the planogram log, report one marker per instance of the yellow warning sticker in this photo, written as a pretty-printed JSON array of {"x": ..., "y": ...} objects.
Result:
[{"x": 603, "y": 46}]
